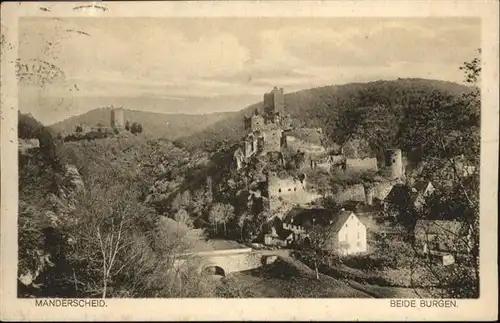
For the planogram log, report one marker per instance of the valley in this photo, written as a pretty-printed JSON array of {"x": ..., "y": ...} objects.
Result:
[{"x": 340, "y": 186}]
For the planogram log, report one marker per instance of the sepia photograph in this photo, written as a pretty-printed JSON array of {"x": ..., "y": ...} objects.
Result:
[{"x": 267, "y": 157}]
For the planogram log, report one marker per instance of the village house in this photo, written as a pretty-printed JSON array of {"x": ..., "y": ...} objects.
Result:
[
  {"x": 348, "y": 235},
  {"x": 282, "y": 234},
  {"x": 443, "y": 240},
  {"x": 421, "y": 190},
  {"x": 398, "y": 198},
  {"x": 404, "y": 196}
]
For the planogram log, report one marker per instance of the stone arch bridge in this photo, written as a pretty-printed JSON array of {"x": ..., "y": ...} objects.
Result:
[{"x": 223, "y": 262}]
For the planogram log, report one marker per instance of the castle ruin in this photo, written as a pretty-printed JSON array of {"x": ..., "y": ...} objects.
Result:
[
  {"x": 117, "y": 118},
  {"x": 266, "y": 130},
  {"x": 394, "y": 162}
]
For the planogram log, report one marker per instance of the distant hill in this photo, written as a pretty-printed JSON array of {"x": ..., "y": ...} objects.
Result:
[
  {"x": 155, "y": 125},
  {"x": 324, "y": 106}
]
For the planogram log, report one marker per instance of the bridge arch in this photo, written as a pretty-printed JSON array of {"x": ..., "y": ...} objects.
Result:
[{"x": 214, "y": 270}]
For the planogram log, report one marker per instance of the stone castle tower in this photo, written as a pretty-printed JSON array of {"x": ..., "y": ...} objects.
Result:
[
  {"x": 274, "y": 102},
  {"x": 117, "y": 118},
  {"x": 394, "y": 161}
]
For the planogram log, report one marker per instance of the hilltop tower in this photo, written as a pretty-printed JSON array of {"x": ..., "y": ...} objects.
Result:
[
  {"x": 394, "y": 161},
  {"x": 274, "y": 102},
  {"x": 117, "y": 118}
]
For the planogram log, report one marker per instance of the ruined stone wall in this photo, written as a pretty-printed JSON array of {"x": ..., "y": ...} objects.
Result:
[
  {"x": 257, "y": 123},
  {"x": 238, "y": 158},
  {"x": 310, "y": 135},
  {"x": 351, "y": 193},
  {"x": 336, "y": 159},
  {"x": 361, "y": 164},
  {"x": 247, "y": 148},
  {"x": 280, "y": 187},
  {"x": 272, "y": 140},
  {"x": 356, "y": 148},
  {"x": 286, "y": 193},
  {"x": 311, "y": 148},
  {"x": 326, "y": 166}
]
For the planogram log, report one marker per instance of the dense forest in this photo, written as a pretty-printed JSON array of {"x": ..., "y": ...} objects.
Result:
[
  {"x": 94, "y": 214},
  {"x": 378, "y": 111}
]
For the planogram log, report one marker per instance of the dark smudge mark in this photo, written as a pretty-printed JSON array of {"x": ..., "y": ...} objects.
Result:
[
  {"x": 38, "y": 71},
  {"x": 78, "y": 31},
  {"x": 90, "y": 6}
]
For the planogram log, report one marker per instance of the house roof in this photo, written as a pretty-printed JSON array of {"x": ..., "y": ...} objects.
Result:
[
  {"x": 358, "y": 206},
  {"x": 421, "y": 186},
  {"x": 281, "y": 232},
  {"x": 309, "y": 216},
  {"x": 382, "y": 189},
  {"x": 340, "y": 219},
  {"x": 399, "y": 194}
]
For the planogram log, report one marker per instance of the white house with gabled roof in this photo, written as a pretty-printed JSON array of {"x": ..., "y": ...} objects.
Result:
[{"x": 348, "y": 233}]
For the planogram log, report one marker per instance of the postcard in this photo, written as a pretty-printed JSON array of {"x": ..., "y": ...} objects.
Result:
[{"x": 270, "y": 160}]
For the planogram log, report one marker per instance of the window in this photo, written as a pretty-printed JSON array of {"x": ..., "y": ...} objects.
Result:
[
  {"x": 294, "y": 189},
  {"x": 279, "y": 190}
]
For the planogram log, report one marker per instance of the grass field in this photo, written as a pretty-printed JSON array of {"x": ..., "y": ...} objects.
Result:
[
  {"x": 289, "y": 278},
  {"x": 286, "y": 278}
]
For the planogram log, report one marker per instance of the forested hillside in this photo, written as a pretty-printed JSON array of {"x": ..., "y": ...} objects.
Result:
[
  {"x": 86, "y": 228},
  {"x": 343, "y": 110},
  {"x": 156, "y": 125}
]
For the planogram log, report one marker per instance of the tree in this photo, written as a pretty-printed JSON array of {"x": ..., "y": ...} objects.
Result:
[
  {"x": 127, "y": 125},
  {"x": 220, "y": 213},
  {"x": 182, "y": 200},
  {"x": 107, "y": 223},
  {"x": 472, "y": 70},
  {"x": 243, "y": 219},
  {"x": 317, "y": 246},
  {"x": 139, "y": 128},
  {"x": 198, "y": 203},
  {"x": 160, "y": 271},
  {"x": 447, "y": 129},
  {"x": 183, "y": 217},
  {"x": 134, "y": 128},
  {"x": 255, "y": 223},
  {"x": 27, "y": 126}
]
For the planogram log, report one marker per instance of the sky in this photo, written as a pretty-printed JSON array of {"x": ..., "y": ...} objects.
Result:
[{"x": 204, "y": 65}]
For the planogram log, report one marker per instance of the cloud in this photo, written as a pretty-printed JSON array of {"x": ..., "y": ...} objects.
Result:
[{"x": 188, "y": 58}]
